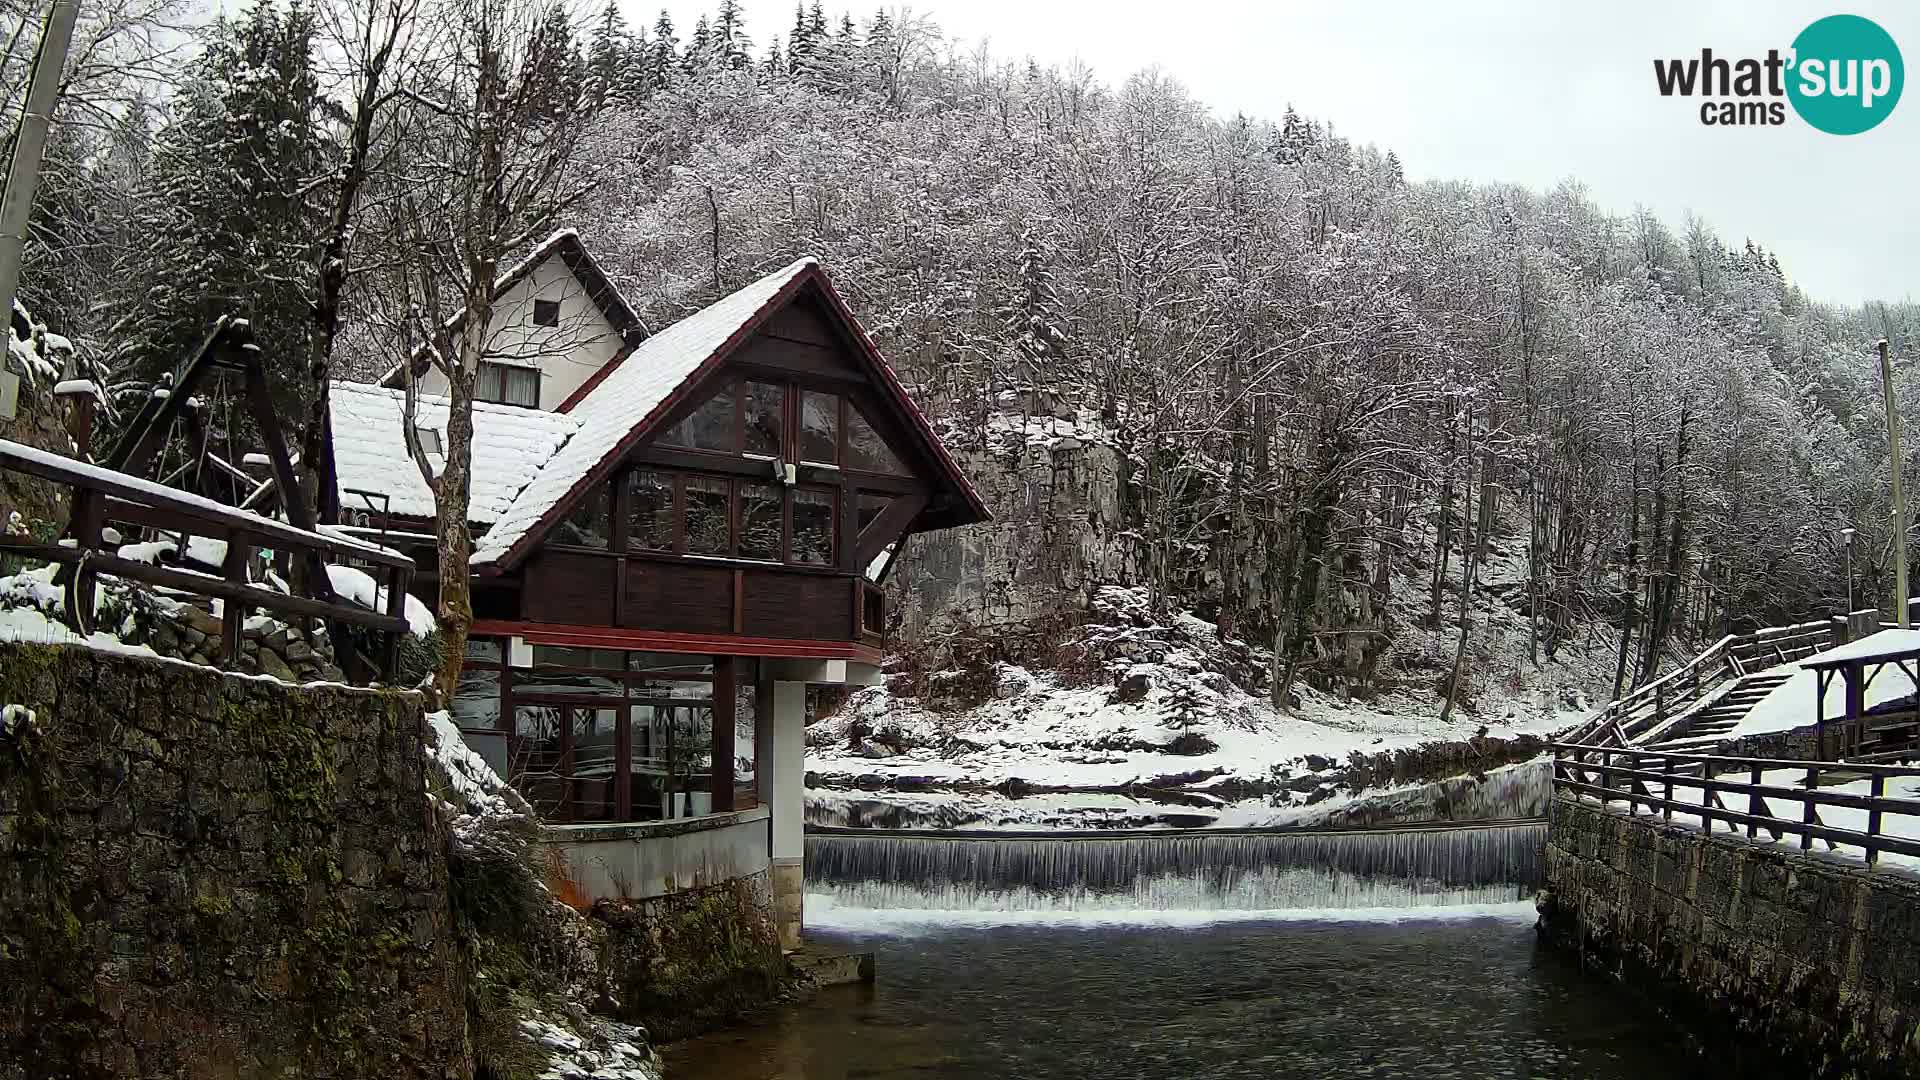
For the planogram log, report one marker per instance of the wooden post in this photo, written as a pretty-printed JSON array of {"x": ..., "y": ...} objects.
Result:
[
  {"x": 762, "y": 737},
  {"x": 1807, "y": 808},
  {"x": 1878, "y": 791},
  {"x": 623, "y": 763},
  {"x": 1753, "y": 802},
  {"x": 1667, "y": 793},
  {"x": 563, "y": 767},
  {"x": 89, "y": 521},
  {"x": 397, "y": 607},
  {"x": 724, "y": 699},
  {"x": 233, "y": 612}
]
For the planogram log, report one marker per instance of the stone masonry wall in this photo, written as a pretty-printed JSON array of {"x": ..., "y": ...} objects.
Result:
[
  {"x": 1774, "y": 955},
  {"x": 205, "y": 875}
]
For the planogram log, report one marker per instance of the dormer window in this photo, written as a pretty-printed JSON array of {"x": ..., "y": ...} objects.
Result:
[{"x": 546, "y": 313}]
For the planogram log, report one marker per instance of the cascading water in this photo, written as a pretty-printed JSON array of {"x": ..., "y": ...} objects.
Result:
[{"x": 1247, "y": 871}]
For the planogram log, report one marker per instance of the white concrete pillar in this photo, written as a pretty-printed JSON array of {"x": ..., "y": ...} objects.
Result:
[{"x": 785, "y": 768}]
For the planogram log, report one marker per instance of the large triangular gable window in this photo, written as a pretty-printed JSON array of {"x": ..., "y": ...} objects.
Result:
[
  {"x": 866, "y": 450},
  {"x": 786, "y": 422}
]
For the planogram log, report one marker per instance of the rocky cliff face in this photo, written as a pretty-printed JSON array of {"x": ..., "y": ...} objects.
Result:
[{"x": 1055, "y": 485}]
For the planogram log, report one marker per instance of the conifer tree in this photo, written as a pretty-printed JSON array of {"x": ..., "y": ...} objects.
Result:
[
  {"x": 608, "y": 56},
  {"x": 799, "y": 40},
  {"x": 663, "y": 55},
  {"x": 729, "y": 42},
  {"x": 556, "y": 73},
  {"x": 236, "y": 205},
  {"x": 699, "y": 46},
  {"x": 774, "y": 67}
]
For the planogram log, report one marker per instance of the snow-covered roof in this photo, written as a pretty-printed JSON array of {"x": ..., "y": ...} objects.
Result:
[
  {"x": 625, "y": 398},
  {"x": 1885, "y": 645},
  {"x": 510, "y": 444}
]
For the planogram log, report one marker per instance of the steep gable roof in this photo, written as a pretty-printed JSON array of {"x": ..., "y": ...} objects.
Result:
[
  {"x": 510, "y": 445},
  {"x": 566, "y": 246},
  {"x": 634, "y": 392}
]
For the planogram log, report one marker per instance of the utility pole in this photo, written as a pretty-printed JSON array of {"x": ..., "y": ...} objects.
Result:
[
  {"x": 29, "y": 143},
  {"x": 1899, "y": 501}
]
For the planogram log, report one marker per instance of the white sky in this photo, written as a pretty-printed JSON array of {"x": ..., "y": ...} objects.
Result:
[{"x": 1521, "y": 91}]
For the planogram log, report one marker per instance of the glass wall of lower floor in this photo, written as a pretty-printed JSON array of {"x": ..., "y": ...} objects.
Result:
[{"x": 596, "y": 735}]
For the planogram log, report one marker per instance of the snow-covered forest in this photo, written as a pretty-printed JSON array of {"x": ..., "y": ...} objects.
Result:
[{"x": 1331, "y": 387}]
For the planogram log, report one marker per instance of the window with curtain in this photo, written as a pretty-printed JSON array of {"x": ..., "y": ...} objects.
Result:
[{"x": 506, "y": 384}]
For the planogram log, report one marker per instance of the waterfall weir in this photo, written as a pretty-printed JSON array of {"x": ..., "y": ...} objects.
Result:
[{"x": 1247, "y": 870}]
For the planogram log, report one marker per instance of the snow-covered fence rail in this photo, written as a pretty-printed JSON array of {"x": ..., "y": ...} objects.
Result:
[
  {"x": 1649, "y": 707},
  {"x": 101, "y": 495},
  {"x": 1879, "y": 804}
]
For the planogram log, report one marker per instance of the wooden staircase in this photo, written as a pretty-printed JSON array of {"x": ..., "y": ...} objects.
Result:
[
  {"x": 1707, "y": 724},
  {"x": 1715, "y": 689}
]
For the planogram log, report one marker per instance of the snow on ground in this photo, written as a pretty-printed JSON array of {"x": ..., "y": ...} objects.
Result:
[
  {"x": 29, "y": 607},
  {"x": 1043, "y": 733},
  {"x": 1509, "y": 791},
  {"x": 612, "y": 1052},
  {"x": 477, "y": 790},
  {"x": 1791, "y": 704}
]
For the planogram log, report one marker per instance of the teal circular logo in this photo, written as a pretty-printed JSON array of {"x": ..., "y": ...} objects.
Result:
[{"x": 1846, "y": 75}]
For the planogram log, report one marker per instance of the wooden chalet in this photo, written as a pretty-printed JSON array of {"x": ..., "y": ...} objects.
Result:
[{"x": 665, "y": 539}]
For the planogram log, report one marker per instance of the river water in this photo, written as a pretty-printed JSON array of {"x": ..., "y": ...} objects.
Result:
[{"x": 1171, "y": 996}]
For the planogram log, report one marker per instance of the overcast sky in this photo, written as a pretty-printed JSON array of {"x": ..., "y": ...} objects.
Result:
[{"x": 1518, "y": 91}]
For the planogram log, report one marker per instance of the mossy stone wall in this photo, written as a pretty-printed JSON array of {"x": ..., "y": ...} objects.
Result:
[
  {"x": 205, "y": 875},
  {"x": 1786, "y": 964},
  {"x": 693, "y": 960}
]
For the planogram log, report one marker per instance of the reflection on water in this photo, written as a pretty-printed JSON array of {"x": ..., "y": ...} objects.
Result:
[{"x": 1471, "y": 999}]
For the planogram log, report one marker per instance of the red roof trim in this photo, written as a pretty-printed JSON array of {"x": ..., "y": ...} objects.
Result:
[{"x": 610, "y": 637}]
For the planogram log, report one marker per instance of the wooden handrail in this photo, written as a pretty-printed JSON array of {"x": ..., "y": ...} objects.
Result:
[
  {"x": 101, "y": 495},
  {"x": 1618, "y": 774},
  {"x": 1628, "y": 713},
  {"x": 131, "y": 499}
]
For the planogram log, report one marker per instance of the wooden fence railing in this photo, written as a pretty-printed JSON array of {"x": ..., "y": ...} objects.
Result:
[
  {"x": 1651, "y": 705},
  {"x": 102, "y": 495},
  {"x": 1734, "y": 790}
]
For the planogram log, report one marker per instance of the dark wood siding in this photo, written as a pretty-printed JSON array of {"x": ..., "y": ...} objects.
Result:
[
  {"x": 831, "y": 362},
  {"x": 563, "y": 587},
  {"x": 787, "y": 605},
  {"x": 801, "y": 321},
  {"x": 680, "y": 598}
]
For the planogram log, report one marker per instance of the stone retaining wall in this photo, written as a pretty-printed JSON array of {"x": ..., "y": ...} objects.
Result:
[
  {"x": 1771, "y": 954},
  {"x": 204, "y": 875}
]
